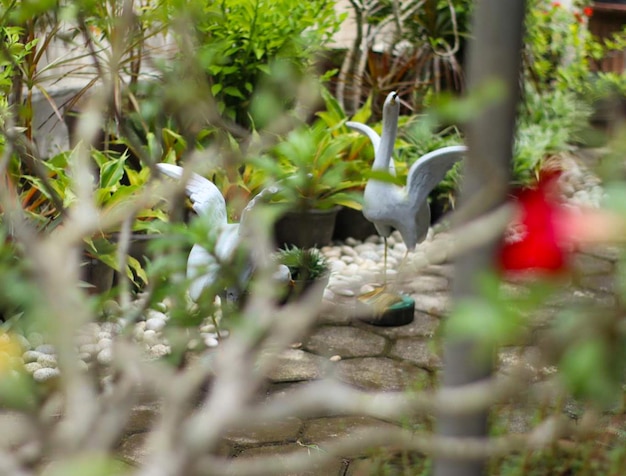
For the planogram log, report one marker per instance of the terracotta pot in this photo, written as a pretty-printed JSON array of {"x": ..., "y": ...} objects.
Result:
[{"x": 306, "y": 229}]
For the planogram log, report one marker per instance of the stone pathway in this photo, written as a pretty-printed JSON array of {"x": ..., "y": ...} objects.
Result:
[{"x": 370, "y": 357}]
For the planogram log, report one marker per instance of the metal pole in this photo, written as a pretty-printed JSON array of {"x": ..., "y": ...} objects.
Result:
[{"x": 494, "y": 57}]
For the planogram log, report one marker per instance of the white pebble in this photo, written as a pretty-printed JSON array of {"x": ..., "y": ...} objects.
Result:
[
  {"x": 85, "y": 356},
  {"x": 366, "y": 288},
  {"x": 45, "y": 374},
  {"x": 31, "y": 356},
  {"x": 104, "y": 343},
  {"x": 32, "y": 367},
  {"x": 344, "y": 292},
  {"x": 89, "y": 349},
  {"x": 337, "y": 266},
  {"x": 335, "y": 358},
  {"x": 347, "y": 259},
  {"x": 364, "y": 247},
  {"x": 45, "y": 349},
  {"x": 110, "y": 327},
  {"x": 352, "y": 241},
  {"x": 328, "y": 295},
  {"x": 211, "y": 342},
  {"x": 104, "y": 335},
  {"x": 193, "y": 344},
  {"x": 155, "y": 323},
  {"x": 330, "y": 252},
  {"x": 150, "y": 337},
  {"x": 84, "y": 339},
  {"x": 111, "y": 308},
  {"x": 374, "y": 239},
  {"x": 209, "y": 334},
  {"x": 207, "y": 328},
  {"x": 105, "y": 356},
  {"x": 371, "y": 255},
  {"x": 348, "y": 251},
  {"x": 399, "y": 250},
  {"x": 369, "y": 264},
  {"x": 159, "y": 350},
  {"x": 154, "y": 314},
  {"x": 138, "y": 333},
  {"x": 352, "y": 268},
  {"x": 46, "y": 360}
]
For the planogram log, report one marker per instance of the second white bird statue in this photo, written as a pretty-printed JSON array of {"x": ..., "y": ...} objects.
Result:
[
  {"x": 406, "y": 208},
  {"x": 203, "y": 267}
]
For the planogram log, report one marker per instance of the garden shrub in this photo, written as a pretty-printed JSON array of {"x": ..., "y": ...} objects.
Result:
[{"x": 244, "y": 44}]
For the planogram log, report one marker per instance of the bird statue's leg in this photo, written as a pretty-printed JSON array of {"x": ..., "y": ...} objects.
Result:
[
  {"x": 385, "y": 262},
  {"x": 401, "y": 267}
]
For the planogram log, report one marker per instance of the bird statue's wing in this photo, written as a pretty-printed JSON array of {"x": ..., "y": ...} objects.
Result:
[
  {"x": 202, "y": 270},
  {"x": 374, "y": 138},
  {"x": 429, "y": 170},
  {"x": 264, "y": 194},
  {"x": 203, "y": 267},
  {"x": 205, "y": 196}
]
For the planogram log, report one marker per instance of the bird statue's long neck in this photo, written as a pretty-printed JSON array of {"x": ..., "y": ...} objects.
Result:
[{"x": 391, "y": 112}]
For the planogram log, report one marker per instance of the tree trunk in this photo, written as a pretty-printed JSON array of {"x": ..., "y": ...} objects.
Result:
[{"x": 494, "y": 55}]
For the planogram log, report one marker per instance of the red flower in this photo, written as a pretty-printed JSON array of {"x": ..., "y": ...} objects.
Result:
[
  {"x": 579, "y": 17},
  {"x": 587, "y": 11},
  {"x": 535, "y": 241},
  {"x": 556, "y": 4},
  {"x": 547, "y": 230}
]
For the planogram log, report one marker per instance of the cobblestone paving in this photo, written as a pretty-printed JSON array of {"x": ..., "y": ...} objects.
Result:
[{"x": 376, "y": 358}]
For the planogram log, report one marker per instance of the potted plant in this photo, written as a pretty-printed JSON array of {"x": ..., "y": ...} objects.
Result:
[
  {"x": 307, "y": 266},
  {"x": 311, "y": 174},
  {"x": 46, "y": 197},
  {"x": 358, "y": 158}
]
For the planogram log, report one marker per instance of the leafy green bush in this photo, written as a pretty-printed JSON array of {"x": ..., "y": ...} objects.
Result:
[
  {"x": 548, "y": 124},
  {"x": 558, "y": 46}
]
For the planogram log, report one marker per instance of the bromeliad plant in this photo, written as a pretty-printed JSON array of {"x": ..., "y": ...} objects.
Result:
[
  {"x": 303, "y": 264},
  {"x": 45, "y": 201},
  {"x": 310, "y": 169}
]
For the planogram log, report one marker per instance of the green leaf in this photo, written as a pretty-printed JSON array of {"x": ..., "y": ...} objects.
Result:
[
  {"x": 234, "y": 92},
  {"x": 135, "y": 267},
  {"x": 484, "y": 320},
  {"x": 88, "y": 465},
  {"x": 215, "y": 89},
  {"x": 112, "y": 172},
  {"x": 615, "y": 197},
  {"x": 365, "y": 112},
  {"x": 384, "y": 176},
  {"x": 584, "y": 368}
]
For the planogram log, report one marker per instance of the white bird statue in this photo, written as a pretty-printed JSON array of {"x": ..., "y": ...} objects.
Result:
[
  {"x": 406, "y": 209},
  {"x": 203, "y": 267}
]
